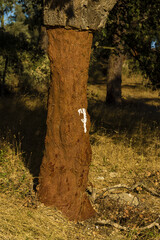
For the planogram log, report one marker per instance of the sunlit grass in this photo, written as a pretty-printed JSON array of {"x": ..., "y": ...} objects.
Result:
[{"x": 125, "y": 144}]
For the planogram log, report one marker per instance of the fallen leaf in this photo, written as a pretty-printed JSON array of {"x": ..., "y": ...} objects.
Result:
[{"x": 148, "y": 174}]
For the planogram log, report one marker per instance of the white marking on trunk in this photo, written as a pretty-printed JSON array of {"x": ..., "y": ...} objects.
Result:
[{"x": 84, "y": 119}]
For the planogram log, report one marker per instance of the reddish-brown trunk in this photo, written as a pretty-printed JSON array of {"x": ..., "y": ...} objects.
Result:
[{"x": 65, "y": 165}]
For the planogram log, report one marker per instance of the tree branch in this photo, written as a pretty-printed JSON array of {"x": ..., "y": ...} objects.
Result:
[
  {"x": 116, "y": 225},
  {"x": 152, "y": 192}
]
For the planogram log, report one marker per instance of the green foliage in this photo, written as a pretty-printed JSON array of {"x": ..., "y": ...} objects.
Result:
[
  {"x": 18, "y": 26},
  {"x": 36, "y": 72},
  {"x": 19, "y": 44},
  {"x": 133, "y": 25},
  {"x": 5, "y": 7}
]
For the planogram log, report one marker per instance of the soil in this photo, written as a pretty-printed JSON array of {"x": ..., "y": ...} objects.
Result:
[{"x": 67, "y": 156}]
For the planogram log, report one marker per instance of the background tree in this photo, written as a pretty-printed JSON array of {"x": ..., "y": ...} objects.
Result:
[
  {"x": 4, "y": 9},
  {"x": 21, "y": 56},
  {"x": 130, "y": 30}
]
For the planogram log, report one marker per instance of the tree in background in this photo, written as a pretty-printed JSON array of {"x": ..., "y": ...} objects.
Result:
[
  {"x": 114, "y": 78},
  {"x": 21, "y": 56},
  {"x": 4, "y": 9},
  {"x": 130, "y": 30}
]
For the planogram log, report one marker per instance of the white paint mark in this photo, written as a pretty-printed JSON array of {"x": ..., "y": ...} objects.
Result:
[{"x": 84, "y": 119}]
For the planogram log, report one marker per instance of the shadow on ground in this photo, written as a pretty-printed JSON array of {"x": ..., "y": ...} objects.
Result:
[
  {"x": 125, "y": 120},
  {"x": 24, "y": 126}
]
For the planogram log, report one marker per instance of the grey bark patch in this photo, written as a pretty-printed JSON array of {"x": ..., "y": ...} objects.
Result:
[
  {"x": 125, "y": 198},
  {"x": 84, "y": 14}
]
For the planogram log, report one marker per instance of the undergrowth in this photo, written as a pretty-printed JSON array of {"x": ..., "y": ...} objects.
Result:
[{"x": 15, "y": 177}]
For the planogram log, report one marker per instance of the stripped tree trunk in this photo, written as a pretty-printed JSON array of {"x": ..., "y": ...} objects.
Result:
[{"x": 64, "y": 171}]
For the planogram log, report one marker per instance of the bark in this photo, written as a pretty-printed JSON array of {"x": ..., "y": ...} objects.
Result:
[
  {"x": 114, "y": 79},
  {"x": 65, "y": 165},
  {"x": 84, "y": 14}
]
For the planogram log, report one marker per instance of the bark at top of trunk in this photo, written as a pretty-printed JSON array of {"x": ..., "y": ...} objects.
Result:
[{"x": 81, "y": 14}]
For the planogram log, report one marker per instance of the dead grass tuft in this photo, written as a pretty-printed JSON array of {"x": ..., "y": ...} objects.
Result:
[{"x": 15, "y": 177}]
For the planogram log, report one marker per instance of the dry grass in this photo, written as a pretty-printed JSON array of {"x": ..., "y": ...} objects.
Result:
[
  {"x": 19, "y": 222},
  {"x": 22, "y": 216},
  {"x": 126, "y": 149}
]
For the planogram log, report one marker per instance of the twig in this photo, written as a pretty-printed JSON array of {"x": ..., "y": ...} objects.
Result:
[
  {"x": 130, "y": 189},
  {"x": 154, "y": 224},
  {"x": 146, "y": 188},
  {"x": 116, "y": 225},
  {"x": 105, "y": 47},
  {"x": 111, "y": 223}
]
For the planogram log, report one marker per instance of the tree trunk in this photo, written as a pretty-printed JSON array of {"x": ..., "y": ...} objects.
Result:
[
  {"x": 64, "y": 170},
  {"x": 4, "y": 76},
  {"x": 2, "y": 17},
  {"x": 65, "y": 165},
  {"x": 43, "y": 39},
  {"x": 114, "y": 79}
]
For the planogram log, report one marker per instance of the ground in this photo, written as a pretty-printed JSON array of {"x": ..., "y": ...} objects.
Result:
[{"x": 125, "y": 144}]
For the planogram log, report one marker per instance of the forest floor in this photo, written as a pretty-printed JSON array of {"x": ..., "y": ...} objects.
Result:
[{"x": 125, "y": 144}]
